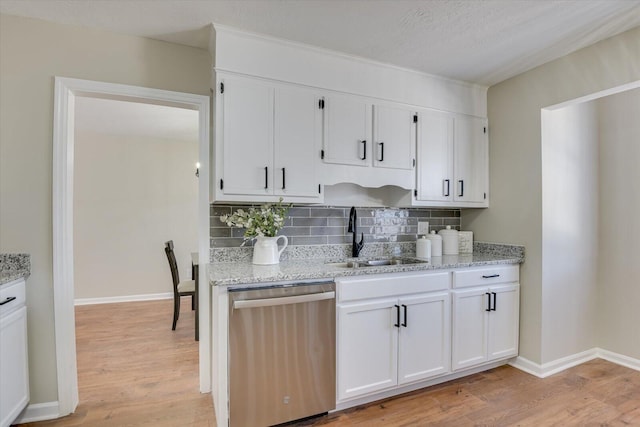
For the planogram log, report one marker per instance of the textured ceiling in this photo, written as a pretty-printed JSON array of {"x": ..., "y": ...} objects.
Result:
[{"x": 482, "y": 41}]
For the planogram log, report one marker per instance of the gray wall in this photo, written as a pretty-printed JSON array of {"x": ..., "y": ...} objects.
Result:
[
  {"x": 318, "y": 225},
  {"x": 515, "y": 214}
]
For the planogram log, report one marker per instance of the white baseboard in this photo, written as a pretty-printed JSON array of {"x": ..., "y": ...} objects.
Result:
[
  {"x": 558, "y": 365},
  {"x": 125, "y": 298},
  {"x": 619, "y": 359},
  {"x": 39, "y": 412}
]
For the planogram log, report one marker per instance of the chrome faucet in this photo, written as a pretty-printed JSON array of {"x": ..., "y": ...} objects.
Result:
[{"x": 353, "y": 228}]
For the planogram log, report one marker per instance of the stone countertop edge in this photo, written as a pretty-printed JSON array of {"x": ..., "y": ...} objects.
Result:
[
  {"x": 14, "y": 267},
  {"x": 244, "y": 273}
]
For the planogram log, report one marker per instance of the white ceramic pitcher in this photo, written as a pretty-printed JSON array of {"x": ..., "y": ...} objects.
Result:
[{"x": 265, "y": 250}]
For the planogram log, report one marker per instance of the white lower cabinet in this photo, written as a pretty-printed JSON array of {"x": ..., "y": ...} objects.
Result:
[
  {"x": 399, "y": 332},
  {"x": 423, "y": 346},
  {"x": 485, "y": 322},
  {"x": 14, "y": 368},
  {"x": 367, "y": 348},
  {"x": 388, "y": 342}
]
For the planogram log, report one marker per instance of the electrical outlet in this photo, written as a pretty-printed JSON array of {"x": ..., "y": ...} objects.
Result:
[{"x": 423, "y": 227}]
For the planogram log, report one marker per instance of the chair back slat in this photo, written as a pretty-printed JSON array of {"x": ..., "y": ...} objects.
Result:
[{"x": 172, "y": 264}]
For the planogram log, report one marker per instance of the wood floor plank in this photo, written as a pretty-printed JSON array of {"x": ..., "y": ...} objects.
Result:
[{"x": 134, "y": 371}]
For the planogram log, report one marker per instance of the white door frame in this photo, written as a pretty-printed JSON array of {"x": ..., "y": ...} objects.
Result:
[{"x": 66, "y": 90}]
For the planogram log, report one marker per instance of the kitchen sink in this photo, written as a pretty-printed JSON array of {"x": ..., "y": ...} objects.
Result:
[{"x": 377, "y": 262}]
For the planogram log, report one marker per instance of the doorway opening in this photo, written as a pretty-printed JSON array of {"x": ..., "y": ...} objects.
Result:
[{"x": 69, "y": 93}]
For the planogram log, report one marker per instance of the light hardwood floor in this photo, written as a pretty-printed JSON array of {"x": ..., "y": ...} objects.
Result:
[{"x": 134, "y": 371}]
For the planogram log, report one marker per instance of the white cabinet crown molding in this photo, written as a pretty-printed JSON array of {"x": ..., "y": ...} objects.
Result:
[{"x": 283, "y": 60}]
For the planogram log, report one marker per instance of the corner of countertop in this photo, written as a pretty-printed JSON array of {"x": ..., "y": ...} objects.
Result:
[
  {"x": 500, "y": 249},
  {"x": 14, "y": 266}
]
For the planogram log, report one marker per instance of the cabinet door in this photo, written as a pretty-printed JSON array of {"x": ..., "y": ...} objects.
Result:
[
  {"x": 435, "y": 157},
  {"x": 14, "y": 387},
  {"x": 297, "y": 137},
  {"x": 504, "y": 321},
  {"x": 470, "y": 327},
  {"x": 247, "y": 111},
  {"x": 394, "y": 137},
  {"x": 424, "y": 343},
  {"x": 471, "y": 151},
  {"x": 367, "y": 347},
  {"x": 347, "y": 136}
]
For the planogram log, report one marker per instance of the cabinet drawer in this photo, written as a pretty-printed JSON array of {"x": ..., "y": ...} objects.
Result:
[
  {"x": 486, "y": 276},
  {"x": 391, "y": 285},
  {"x": 12, "y": 294}
]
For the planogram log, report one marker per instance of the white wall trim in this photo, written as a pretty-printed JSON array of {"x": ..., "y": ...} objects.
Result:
[
  {"x": 124, "y": 298},
  {"x": 555, "y": 366},
  {"x": 596, "y": 95},
  {"x": 39, "y": 412},
  {"x": 619, "y": 359},
  {"x": 559, "y": 365},
  {"x": 66, "y": 89}
]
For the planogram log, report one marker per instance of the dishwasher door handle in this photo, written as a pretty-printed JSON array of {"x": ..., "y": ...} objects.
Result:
[{"x": 269, "y": 302}]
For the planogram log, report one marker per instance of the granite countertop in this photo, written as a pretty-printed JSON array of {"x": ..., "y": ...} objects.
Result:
[
  {"x": 243, "y": 272},
  {"x": 13, "y": 267}
]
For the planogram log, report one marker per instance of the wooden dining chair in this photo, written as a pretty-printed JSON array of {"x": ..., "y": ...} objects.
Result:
[{"x": 180, "y": 289}]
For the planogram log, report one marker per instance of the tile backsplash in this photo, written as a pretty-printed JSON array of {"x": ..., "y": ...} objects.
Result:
[{"x": 320, "y": 225}]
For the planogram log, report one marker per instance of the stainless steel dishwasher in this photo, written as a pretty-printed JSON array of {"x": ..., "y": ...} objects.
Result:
[{"x": 281, "y": 353}]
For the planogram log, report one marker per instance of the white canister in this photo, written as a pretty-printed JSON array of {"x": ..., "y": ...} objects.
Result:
[
  {"x": 436, "y": 243},
  {"x": 465, "y": 242},
  {"x": 449, "y": 241},
  {"x": 423, "y": 247}
]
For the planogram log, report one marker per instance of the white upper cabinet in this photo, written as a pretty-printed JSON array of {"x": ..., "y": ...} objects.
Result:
[
  {"x": 452, "y": 160},
  {"x": 394, "y": 136},
  {"x": 377, "y": 137},
  {"x": 267, "y": 141},
  {"x": 471, "y": 151},
  {"x": 347, "y": 130},
  {"x": 296, "y": 138},
  {"x": 435, "y": 157},
  {"x": 364, "y": 133},
  {"x": 247, "y": 137}
]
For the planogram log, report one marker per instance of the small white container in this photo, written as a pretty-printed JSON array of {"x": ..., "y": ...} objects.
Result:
[
  {"x": 436, "y": 243},
  {"x": 423, "y": 248},
  {"x": 465, "y": 242},
  {"x": 449, "y": 241}
]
